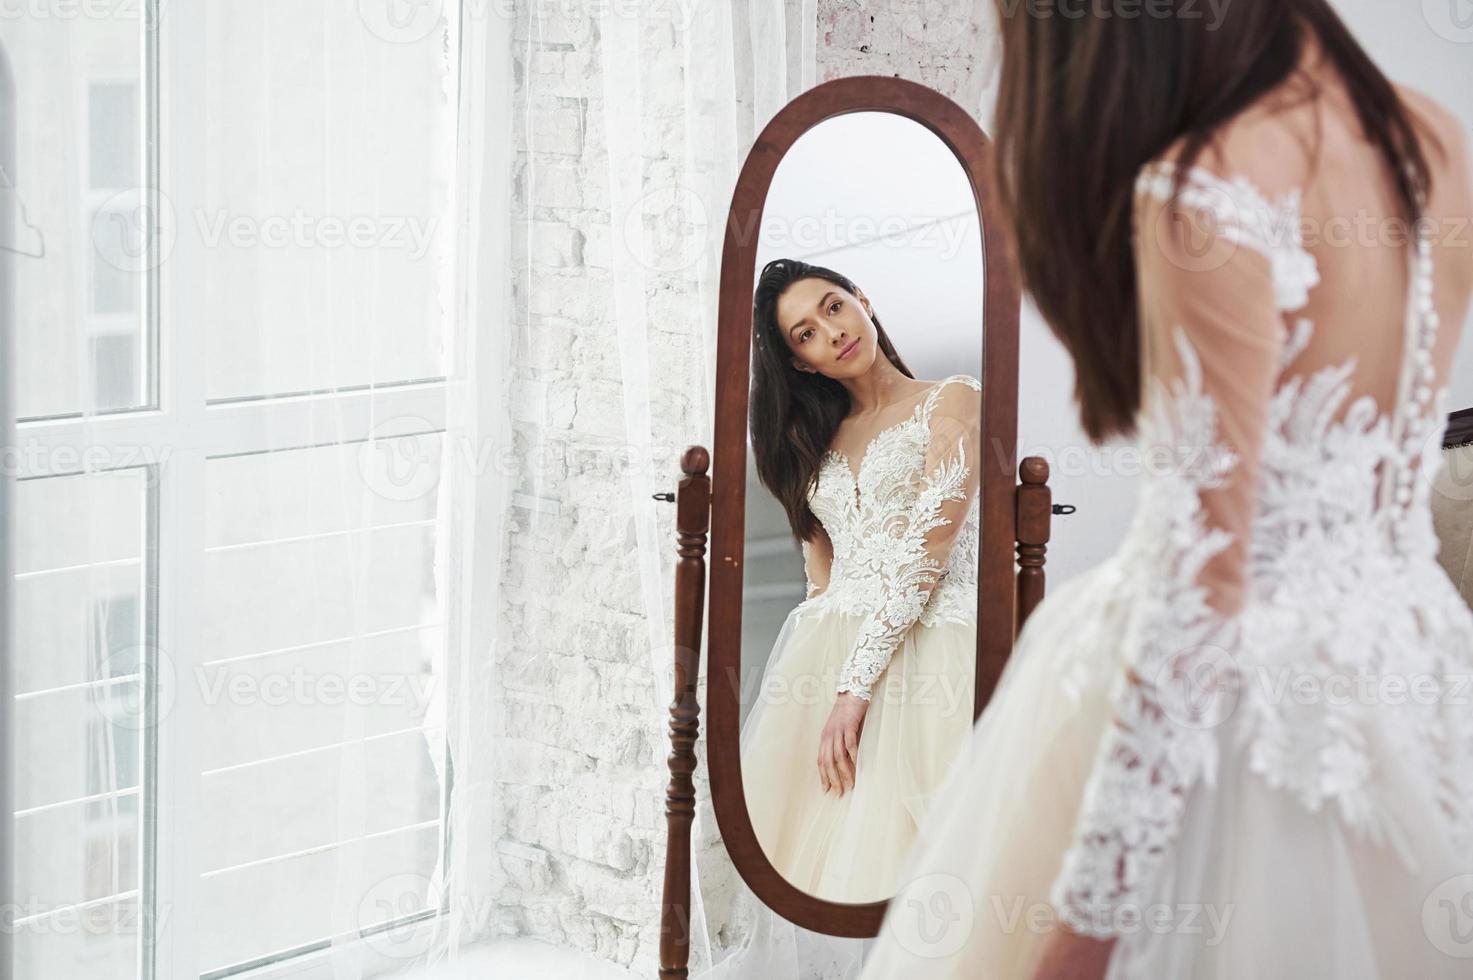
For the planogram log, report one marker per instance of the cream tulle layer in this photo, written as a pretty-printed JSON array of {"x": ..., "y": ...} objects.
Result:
[
  {"x": 1259, "y": 888},
  {"x": 852, "y": 848}
]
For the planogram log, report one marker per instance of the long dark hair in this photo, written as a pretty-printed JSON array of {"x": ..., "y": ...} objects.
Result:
[
  {"x": 794, "y": 414},
  {"x": 1086, "y": 101}
]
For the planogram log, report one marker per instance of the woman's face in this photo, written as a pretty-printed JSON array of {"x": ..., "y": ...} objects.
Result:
[{"x": 828, "y": 330}]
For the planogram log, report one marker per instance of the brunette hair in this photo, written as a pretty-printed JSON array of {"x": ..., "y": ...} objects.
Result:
[
  {"x": 1086, "y": 101},
  {"x": 794, "y": 414}
]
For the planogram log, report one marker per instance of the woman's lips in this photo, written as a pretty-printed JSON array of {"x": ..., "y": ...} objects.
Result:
[{"x": 848, "y": 352}]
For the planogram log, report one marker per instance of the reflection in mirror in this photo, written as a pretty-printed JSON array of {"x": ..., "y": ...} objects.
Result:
[{"x": 859, "y": 647}]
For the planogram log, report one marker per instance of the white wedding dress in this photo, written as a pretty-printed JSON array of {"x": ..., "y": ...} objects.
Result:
[
  {"x": 891, "y": 617},
  {"x": 1242, "y": 746}
]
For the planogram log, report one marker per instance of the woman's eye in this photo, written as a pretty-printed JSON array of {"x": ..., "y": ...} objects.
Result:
[
  {"x": 804, "y": 335},
  {"x": 834, "y": 306}
]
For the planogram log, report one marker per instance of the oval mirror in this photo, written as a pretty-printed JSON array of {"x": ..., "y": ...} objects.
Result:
[
  {"x": 862, "y": 516},
  {"x": 877, "y": 199}
]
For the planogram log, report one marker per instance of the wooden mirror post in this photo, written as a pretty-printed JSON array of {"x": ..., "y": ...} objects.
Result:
[
  {"x": 1035, "y": 516},
  {"x": 693, "y": 514}
]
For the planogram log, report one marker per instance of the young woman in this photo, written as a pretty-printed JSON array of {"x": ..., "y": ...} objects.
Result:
[
  {"x": 868, "y": 690},
  {"x": 1240, "y": 747}
]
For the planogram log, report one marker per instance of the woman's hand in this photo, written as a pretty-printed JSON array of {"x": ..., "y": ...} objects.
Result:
[
  {"x": 1067, "y": 955},
  {"x": 838, "y": 746}
]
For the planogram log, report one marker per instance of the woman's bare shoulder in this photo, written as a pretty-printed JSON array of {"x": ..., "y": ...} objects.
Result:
[
  {"x": 1438, "y": 118},
  {"x": 966, "y": 380},
  {"x": 1447, "y": 151},
  {"x": 1265, "y": 143}
]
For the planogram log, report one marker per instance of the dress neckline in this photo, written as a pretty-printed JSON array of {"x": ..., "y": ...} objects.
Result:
[{"x": 918, "y": 414}]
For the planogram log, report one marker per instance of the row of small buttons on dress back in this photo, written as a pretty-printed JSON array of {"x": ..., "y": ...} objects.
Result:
[{"x": 1419, "y": 423}]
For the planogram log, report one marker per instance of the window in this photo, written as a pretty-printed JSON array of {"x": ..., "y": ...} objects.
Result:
[
  {"x": 236, "y": 323},
  {"x": 115, "y": 241}
]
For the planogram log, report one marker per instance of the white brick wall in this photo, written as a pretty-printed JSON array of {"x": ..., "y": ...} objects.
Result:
[
  {"x": 581, "y": 746},
  {"x": 950, "y": 45}
]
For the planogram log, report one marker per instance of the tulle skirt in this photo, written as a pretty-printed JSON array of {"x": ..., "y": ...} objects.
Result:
[
  {"x": 1258, "y": 885},
  {"x": 851, "y": 848}
]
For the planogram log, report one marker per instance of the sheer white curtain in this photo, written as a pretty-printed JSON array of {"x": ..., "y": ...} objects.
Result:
[
  {"x": 739, "y": 64},
  {"x": 7, "y": 473},
  {"x": 679, "y": 93},
  {"x": 236, "y": 325}
]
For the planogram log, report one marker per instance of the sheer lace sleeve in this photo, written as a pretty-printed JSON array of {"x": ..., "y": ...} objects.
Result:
[
  {"x": 818, "y": 560},
  {"x": 1216, "y": 267},
  {"x": 918, "y": 539}
]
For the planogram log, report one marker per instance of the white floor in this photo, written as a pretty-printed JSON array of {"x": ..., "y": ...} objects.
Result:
[{"x": 519, "y": 958}]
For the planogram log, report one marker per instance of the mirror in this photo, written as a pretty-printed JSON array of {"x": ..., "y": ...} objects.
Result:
[
  {"x": 886, "y": 183},
  {"x": 879, "y": 199}
]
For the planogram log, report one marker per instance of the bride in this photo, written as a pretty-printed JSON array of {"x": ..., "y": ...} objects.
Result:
[
  {"x": 1242, "y": 746},
  {"x": 868, "y": 692}
]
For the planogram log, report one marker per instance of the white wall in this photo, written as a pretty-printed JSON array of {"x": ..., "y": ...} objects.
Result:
[{"x": 1427, "y": 44}]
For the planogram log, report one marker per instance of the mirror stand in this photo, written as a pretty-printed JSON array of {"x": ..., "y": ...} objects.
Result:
[
  {"x": 693, "y": 518},
  {"x": 1033, "y": 519}
]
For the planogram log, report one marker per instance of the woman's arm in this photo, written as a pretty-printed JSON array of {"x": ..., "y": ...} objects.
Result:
[
  {"x": 1213, "y": 338},
  {"x": 921, "y": 539}
]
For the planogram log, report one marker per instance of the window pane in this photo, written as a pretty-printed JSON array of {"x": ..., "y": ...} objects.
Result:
[
  {"x": 113, "y": 282},
  {"x": 79, "y": 171},
  {"x": 320, "y": 771},
  {"x": 248, "y": 911},
  {"x": 116, "y": 370},
  {"x": 87, "y": 944},
  {"x": 112, "y": 131},
  {"x": 80, "y": 589},
  {"x": 323, "y": 217}
]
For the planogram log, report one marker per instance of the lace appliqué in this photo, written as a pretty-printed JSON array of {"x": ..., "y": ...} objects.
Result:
[
  {"x": 878, "y": 524},
  {"x": 1238, "y": 212},
  {"x": 1343, "y": 586},
  {"x": 1180, "y": 678}
]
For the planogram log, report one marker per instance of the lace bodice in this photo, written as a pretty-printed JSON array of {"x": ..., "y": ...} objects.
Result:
[
  {"x": 904, "y": 531},
  {"x": 1279, "y": 577}
]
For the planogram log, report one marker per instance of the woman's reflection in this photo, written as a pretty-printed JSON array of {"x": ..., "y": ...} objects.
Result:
[{"x": 867, "y": 693}]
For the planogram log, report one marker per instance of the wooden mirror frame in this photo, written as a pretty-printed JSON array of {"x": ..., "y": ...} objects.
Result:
[{"x": 998, "y": 321}]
